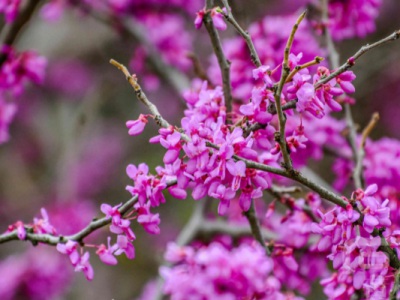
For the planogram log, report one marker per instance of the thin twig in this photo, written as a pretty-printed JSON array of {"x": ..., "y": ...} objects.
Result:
[
  {"x": 368, "y": 129},
  {"x": 351, "y": 61},
  {"x": 177, "y": 80},
  {"x": 246, "y": 36},
  {"x": 281, "y": 194},
  {"x": 78, "y": 237},
  {"x": 358, "y": 170},
  {"x": 223, "y": 62},
  {"x": 251, "y": 216},
  {"x": 280, "y": 136},
  {"x": 317, "y": 60},
  {"x": 198, "y": 68},
  {"x": 140, "y": 94}
]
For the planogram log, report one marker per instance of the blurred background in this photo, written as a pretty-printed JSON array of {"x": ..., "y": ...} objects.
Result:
[{"x": 69, "y": 145}]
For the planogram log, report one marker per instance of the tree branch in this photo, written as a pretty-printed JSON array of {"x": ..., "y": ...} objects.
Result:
[
  {"x": 246, "y": 36},
  {"x": 78, "y": 237},
  {"x": 224, "y": 64},
  {"x": 358, "y": 170},
  {"x": 280, "y": 136},
  {"x": 351, "y": 61},
  {"x": 251, "y": 216}
]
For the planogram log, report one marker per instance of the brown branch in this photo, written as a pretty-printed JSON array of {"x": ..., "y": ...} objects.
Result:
[
  {"x": 281, "y": 194},
  {"x": 358, "y": 170},
  {"x": 178, "y": 81},
  {"x": 368, "y": 129},
  {"x": 351, "y": 61},
  {"x": 246, "y": 36},
  {"x": 317, "y": 60},
  {"x": 280, "y": 136},
  {"x": 198, "y": 68},
  {"x": 78, "y": 237},
  {"x": 224, "y": 64},
  {"x": 251, "y": 216},
  {"x": 140, "y": 94}
]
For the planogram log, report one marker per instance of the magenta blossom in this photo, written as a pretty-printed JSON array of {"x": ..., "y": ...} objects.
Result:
[
  {"x": 71, "y": 249},
  {"x": 216, "y": 16},
  {"x": 136, "y": 127},
  {"x": 148, "y": 220},
  {"x": 106, "y": 254},
  {"x": 125, "y": 246}
]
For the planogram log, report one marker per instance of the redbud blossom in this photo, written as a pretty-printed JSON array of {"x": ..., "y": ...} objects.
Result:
[{"x": 136, "y": 127}]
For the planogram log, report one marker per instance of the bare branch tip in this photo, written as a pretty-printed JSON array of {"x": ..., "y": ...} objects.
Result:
[
  {"x": 114, "y": 62},
  {"x": 302, "y": 16}
]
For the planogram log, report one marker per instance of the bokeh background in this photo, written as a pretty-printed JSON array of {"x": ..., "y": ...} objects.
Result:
[{"x": 69, "y": 145}]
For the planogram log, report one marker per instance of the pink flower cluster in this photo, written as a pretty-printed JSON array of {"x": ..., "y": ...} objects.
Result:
[
  {"x": 269, "y": 36},
  {"x": 313, "y": 100},
  {"x": 38, "y": 273},
  {"x": 39, "y": 225},
  {"x": 18, "y": 68},
  {"x": 216, "y": 15},
  {"x": 80, "y": 262},
  {"x": 214, "y": 173},
  {"x": 352, "y": 18},
  {"x": 216, "y": 271},
  {"x": 353, "y": 250}
]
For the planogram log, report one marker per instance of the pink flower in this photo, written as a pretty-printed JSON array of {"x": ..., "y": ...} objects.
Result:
[
  {"x": 125, "y": 246},
  {"x": 216, "y": 16},
  {"x": 43, "y": 225},
  {"x": 199, "y": 18},
  {"x": 148, "y": 220},
  {"x": 85, "y": 266},
  {"x": 261, "y": 73},
  {"x": 111, "y": 212},
  {"x": 238, "y": 171},
  {"x": 172, "y": 143},
  {"x": 248, "y": 193},
  {"x": 106, "y": 254},
  {"x": 344, "y": 80},
  {"x": 224, "y": 195},
  {"x": 218, "y": 19},
  {"x": 136, "y": 127},
  {"x": 21, "y": 231},
  {"x": 118, "y": 224},
  {"x": 375, "y": 213},
  {"x": 71, "y": 249}
]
